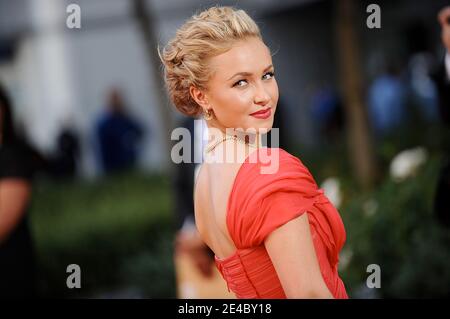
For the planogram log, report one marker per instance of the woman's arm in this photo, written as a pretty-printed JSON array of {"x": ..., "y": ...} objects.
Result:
[
  {"x": 14, "y": 196},
  {"x": 292, "y": 252}
]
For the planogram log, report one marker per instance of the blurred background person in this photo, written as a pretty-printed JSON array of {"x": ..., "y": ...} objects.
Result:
[
  {"x": 118, "y": 135},
  {"x": 64, "y": 162},
  {"x": 326, "y": 110},
  {"x": 442, "y": 74},
  {"x": 423, "y": 92},
  {"x": 18, "y": 163},
  {"x": 442, "y": 80},
  {"x": 387, "y": 99}
]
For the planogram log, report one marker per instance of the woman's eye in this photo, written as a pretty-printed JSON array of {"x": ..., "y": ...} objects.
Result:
[
  {"x": 266, "y": 76},
  {"x": 271, "y": 74},
  {"x": 238, "y": 83}
]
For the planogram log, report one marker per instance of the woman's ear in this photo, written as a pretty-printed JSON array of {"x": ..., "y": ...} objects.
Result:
[{"x": 199, "y": 96}]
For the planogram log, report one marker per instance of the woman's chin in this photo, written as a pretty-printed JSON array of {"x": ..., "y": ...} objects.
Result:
[{"x": 263, "y": 128}]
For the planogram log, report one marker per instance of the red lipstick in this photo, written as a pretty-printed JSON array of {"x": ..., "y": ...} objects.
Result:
[{"x": 262, "y": 114}]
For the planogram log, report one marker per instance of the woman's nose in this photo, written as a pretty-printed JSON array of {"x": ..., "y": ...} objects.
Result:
[{"x": 261, "y": 95}]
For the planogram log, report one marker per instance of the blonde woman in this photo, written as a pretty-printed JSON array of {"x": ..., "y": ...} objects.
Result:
[{"x": 274, "y": 234}]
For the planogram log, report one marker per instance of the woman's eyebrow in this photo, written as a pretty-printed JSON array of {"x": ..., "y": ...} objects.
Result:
[{"x": 248, "y": 73}]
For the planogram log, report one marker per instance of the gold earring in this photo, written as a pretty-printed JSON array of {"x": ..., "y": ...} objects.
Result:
[{"x": 207, "y": 115}]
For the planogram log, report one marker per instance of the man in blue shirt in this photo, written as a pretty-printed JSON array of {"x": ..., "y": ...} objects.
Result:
[{"x": 118, "y": 136}]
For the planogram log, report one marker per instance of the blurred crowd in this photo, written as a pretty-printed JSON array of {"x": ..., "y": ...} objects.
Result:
[{"x": 117, "y": 137}]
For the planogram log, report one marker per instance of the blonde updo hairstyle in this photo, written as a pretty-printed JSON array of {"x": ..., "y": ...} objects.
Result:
[{"x": 205, "y": 35}]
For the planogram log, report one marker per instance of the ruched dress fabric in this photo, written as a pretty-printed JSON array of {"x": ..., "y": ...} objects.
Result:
[{"x": 258, "y": 204}]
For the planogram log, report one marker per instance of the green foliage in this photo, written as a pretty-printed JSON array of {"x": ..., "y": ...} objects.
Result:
[
  {"x": 392, "y": 225},
  {"x": 401, "y": 235},
  {"x": 119, "y": 230}
]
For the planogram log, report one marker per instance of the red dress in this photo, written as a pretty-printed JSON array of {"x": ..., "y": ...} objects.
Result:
[{"x": 258, "y": 204}]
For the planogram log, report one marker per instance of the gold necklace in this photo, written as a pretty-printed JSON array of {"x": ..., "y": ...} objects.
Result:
[{"x": 211, "y": 147}]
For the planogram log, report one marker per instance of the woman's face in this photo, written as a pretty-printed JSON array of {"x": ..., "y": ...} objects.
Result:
[{"x": 243, "y": 83}]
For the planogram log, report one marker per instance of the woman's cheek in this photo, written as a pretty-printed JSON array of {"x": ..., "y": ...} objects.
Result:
[{"x": 246, "y": 101}]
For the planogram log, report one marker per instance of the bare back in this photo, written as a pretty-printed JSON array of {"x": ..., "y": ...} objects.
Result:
[{"x": 212, "y": 191}]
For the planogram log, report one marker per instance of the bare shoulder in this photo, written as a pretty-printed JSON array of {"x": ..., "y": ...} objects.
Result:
[{"x": 213, "y": 185}]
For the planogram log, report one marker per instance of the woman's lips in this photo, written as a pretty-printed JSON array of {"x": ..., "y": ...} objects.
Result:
[{"x": 263, "y": 114}]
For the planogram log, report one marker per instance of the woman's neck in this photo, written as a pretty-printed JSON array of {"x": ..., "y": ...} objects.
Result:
[
  {"x": 230, "y": 146},
  {"x": 250, "y": 137}
]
